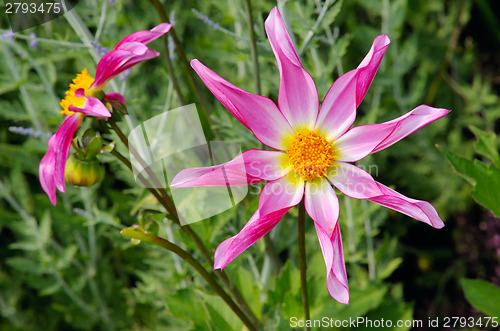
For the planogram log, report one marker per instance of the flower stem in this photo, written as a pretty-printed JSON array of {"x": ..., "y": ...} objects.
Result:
[
  {"x": 314, "y": 28},
  {"x": 253, "y": 45},
  {"x": 182, "y": 55},
  {"x": 302, "y": 261},
  {"x": 170, "y": 69},
  {"x": 154, "y": 240},
  {"x": 163, "y": 198}
]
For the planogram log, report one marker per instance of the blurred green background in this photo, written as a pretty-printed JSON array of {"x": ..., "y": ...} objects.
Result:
[{"x": 68, "y": 268}]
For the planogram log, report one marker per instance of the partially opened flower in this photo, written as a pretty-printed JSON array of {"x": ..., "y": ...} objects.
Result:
[
  {"x": 86, "y": 98},
  {"x": 313, "y": 147}
]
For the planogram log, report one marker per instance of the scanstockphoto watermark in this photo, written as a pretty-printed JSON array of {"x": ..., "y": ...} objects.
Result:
[
  {"x": 167, "y": 143},
  {"x": 364, "y": 322},
  {"x": 25, "y": 14},
  {"x": 358, "y": 322}
]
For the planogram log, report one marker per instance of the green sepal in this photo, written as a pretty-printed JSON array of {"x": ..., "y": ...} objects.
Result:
[
  {"x": 107, "y": 148},
  {"x": 93, "y": 148},
  {"x": 87, "y": 137}
]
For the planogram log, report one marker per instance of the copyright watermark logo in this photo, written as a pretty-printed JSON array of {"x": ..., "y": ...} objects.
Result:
[
  {"x": 25, "y": 14},
  {"x": 166, "y": 144}
]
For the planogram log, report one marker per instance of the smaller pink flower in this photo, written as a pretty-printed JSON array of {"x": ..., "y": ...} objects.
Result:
[
  {"x": 85, "y": 98},
  {"x": 314, "y": 147}
]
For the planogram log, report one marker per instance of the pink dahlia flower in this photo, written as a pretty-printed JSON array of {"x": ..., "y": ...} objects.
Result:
[
  {"x": 313, "y": 150},
  {"x": 86, "y": 98}
]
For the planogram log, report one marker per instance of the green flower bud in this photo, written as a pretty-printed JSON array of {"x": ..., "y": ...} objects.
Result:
[{"x": 82, "y": 172}]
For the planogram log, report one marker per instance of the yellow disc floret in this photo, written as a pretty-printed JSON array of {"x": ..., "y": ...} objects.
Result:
[
  {"x": 311, "y": 154},
  {"x": 82, "y": 80}
]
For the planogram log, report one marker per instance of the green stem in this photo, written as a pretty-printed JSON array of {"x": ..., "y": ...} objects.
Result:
[
  {"x": 302, "y": 261},
  {"x": 164, "y": 199},
  {"x": 25, "y": 96},
  {"x": 171, "y": 73},
  {"x": 154, "y": 240},
  {"x": 168, "y": 204},
  {"x": 253, "y": 45},
  {"x": 315, "y": 27},
  {"x": 182, "y": 55},
  {"x": 369, "y": 245}
]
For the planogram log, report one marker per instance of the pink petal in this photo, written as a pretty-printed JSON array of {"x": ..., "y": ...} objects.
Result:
[
  {"x": 118, "y": 60},
  {"x": 418, "y": 209},
  {"x": 252, "y": 166},
  {"x": 276, "y": 199},
  {"x": 336, "y": 276},
  {"x": 114, "y": 96},
  {"x": 298, "y": 97},
  {"x": 369, "y": 66},
  {"x": 322, "y": 204},
  {"x": 357, "y": 183},
  {"x": 366, "y": 139},
  {"x": 353, "y": 181},
  {"x": 409, "y": 123},
  {"x": 46, "y": 174},
  {"x": 62, "y": 144},
  {"x": 259, "y": 114},
  {"x": 360, "y": 141},
  {"x": 338, "y": 109},
  {"x": 91, "y": 107},
  {"x": 145, "y": 37}
]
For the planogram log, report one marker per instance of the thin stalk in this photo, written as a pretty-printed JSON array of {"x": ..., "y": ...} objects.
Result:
[
  {"x": 92, "y": 262},
  {"x": 102, "y": 20},
  {"x": 132, "y": 150},
  {"x": 46, "y": 41},
  {"x": 128, "y": 232},
  {"x": 452, "y": 46},
  {"x": 43, "y": 77},
  {"x": 369, "y": 246},
  {"x": 164, "y": 198},
  {"x": 141, "y": 178},
  {"x": 170, "y": 69},
  {"x": 315, "y": 27},
  {"x": 351, "y": 228},
  {"x": 302, "y": 261},
  {"x": 182, "y": 55},
  {"x": 168, "y": 204},
  {"x": 25, "y": 97},
  {"x": 253, "y": 47},
  {"x": 86, "y": 37}
]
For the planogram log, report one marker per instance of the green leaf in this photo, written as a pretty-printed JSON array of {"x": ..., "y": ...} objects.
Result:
[
  {"x": 45, "y": 229},
  {"x": 362, "y": 301},
  {"x": 394, "y": 311},
  {"x": 287, "y": 281},
  {"x": 50, "y": 289},
  {"x": 88, "y": 136},
  {"x": 482, "y": 295},
  {"x": 221, "y": 317},
  {"x": 107, "y": 148},
  {"x": 186, "y": 305},
  {"x": 93, "y": 148},
  {"x": 66, "y": 257},
  {"x": 389, "y": 268},
  {"x": 249, "y": 290},
  {"x": 484, "y": 179},
  {"x": 486, "y": 145},
  {"x": 25, "y": 265}
]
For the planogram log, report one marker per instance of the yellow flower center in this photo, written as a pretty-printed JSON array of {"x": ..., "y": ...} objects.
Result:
[
  {"x": 311, "y": 154},
  {"x": 82, "y": 80}
]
